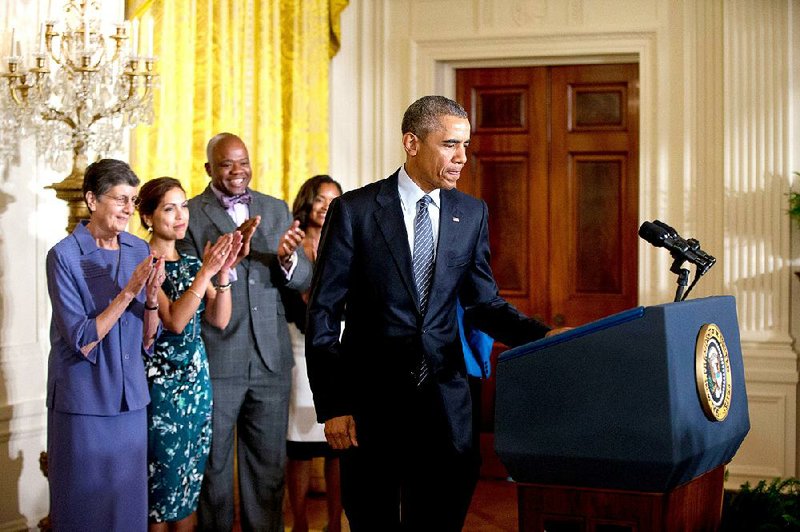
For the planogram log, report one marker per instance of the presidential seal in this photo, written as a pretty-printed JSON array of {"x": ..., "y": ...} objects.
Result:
[{"x": 713, "y": 372}]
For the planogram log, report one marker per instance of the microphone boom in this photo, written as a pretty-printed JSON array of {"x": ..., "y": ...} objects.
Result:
[{"x": 662, "y": 235}]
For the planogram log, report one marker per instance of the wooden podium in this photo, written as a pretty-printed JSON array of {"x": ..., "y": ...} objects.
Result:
[
  {"x": 625, "y": 424},
  {"x": 695, "y": 506}
]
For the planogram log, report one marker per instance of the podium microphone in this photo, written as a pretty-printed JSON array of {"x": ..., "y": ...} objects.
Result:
[{"x": 662, "y": 235}]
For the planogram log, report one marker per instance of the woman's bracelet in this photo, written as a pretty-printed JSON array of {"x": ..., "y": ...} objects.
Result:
[
  {"x": 195, "y": 294},
  {"x": 223, "y": 287},
  {"x": 146, "y": 307}
]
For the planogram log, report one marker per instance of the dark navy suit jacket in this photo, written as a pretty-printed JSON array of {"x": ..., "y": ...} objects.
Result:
[{"x": 364, "y": 265}]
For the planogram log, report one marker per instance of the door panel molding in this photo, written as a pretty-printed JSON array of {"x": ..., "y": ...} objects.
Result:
[{"x": 584, "y": 187}]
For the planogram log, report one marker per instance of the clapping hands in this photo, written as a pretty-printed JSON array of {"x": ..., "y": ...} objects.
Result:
[
  {"x": 149, "y": 274},
  {"x": 290, "y": 241},
  {"x": 223, "y": 253},
  {"x": 246, "y": 230}
]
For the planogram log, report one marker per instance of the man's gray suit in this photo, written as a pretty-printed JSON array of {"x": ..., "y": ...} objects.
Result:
[{"x": 250, "y": 364}]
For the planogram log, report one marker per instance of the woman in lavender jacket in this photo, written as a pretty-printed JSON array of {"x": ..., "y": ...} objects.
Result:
[{"x": 103, "y": 284}]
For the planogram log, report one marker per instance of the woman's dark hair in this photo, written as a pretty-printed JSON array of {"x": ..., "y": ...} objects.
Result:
[
  {"x": 151, "y": 193},
  {"x": 103, "y": 175},
  {"x": 301, "y": 209}
]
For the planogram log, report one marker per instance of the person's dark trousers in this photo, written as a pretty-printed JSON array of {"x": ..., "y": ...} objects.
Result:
[
  {"x": 405, "y": 474},
  {"x": 257, "y": 409},
  {"x": 476, "y": 391}
]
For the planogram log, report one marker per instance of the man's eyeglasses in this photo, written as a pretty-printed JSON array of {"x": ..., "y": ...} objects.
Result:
[{"x": 122, "y": 201}]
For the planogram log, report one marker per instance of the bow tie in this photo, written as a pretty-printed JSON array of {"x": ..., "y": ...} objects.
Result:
[{"x": 230, "y": 201}]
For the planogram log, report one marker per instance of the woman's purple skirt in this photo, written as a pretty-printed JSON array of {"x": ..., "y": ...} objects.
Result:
[{"x": 97, "y": 470}]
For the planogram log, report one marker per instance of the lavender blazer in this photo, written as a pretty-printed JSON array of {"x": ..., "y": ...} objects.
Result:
[{"x": 82, "y": 280}]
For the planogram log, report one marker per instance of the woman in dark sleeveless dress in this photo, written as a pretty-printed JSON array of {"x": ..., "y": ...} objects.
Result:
[{"x": 305, "y": 437}]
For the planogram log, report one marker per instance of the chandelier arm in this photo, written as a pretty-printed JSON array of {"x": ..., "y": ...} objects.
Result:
[
  {"x": 128, "y": 101},
  {"x": 102, "y": 56},
  {"x": 107, "y": 113},
  {"x": 15, "y": 80},
  {"x": 118, "y": 39},
  {"x": 58, "y": 116},
  {"x": 15, "y": 91},
  {"x": 49, "y": 34}
]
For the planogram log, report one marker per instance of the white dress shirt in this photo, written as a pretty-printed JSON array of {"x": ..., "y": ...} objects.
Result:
[
  {"x": 410, "y": 194},
  {"x": 239, "y": 213}
]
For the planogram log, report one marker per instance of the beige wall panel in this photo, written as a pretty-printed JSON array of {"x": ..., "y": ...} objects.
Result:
[
  {"x": 434, "y": 17},
  {"x": 762, "y": 455},
  {"x": 549, "y": 16},
  {"x": 613, "y": 13}
]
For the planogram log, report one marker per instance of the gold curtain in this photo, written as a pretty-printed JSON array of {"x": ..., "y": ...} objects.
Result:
[{"x": 255, "y": 68}]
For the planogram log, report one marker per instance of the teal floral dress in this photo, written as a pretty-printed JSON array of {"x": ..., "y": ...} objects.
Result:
[{"x": 179, "y": 429}]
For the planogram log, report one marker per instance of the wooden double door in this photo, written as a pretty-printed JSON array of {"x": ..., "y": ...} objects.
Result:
[{"x": 554, "y": 152}]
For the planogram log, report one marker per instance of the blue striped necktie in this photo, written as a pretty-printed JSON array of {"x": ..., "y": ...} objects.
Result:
[{"x": 423, "y": 270}]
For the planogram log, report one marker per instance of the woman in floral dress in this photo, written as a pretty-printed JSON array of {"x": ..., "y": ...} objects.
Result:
[{"x": 179, "y": 429}]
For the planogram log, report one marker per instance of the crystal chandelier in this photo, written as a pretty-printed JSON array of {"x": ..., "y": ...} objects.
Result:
[{"x": 80, "y": 91}]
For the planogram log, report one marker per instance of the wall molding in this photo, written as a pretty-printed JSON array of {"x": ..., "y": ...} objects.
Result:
[
  {"x": 24, "y": 420},
  {"x": 14, "y": 526},
  {"x": 776, "y": 405},
  {"x": 435, "y": 62},
  {"x": 21, "y": 354}
]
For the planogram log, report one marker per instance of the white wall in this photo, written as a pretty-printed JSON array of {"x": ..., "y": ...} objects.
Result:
[
  {"x": 31, "y": 221},
  {"x": 719, "y": 124}
]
